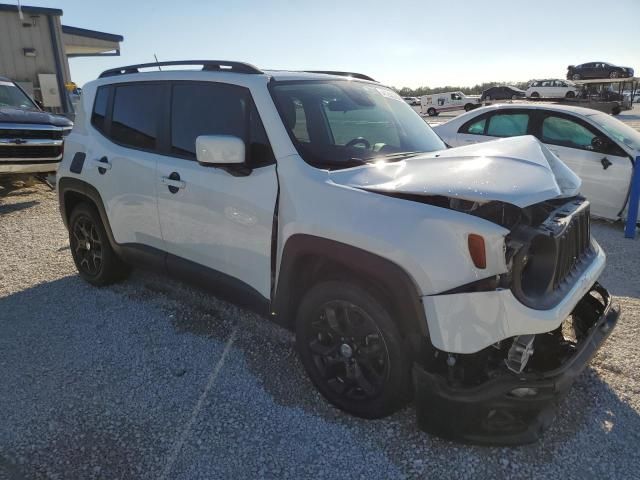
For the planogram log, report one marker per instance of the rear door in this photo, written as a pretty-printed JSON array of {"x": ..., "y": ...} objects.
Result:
[
  {"x": 121, "y": 160},
  {"x": 216, "y": 218},
  {"x": 605, "y": 173}
]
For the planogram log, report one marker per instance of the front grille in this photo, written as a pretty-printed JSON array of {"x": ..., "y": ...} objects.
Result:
[
  {"x": 36, "y": 151},
  {"x": 573, "y": 244},
  {"x": 9, "y": 133},
  {"x": 551, "y": 256}
]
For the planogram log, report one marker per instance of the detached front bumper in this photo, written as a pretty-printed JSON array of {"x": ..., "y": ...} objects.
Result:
[{"x": 490, "y": 413}]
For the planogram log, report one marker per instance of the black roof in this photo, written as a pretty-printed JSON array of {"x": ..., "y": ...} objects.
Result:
[
  {"x": 5, "y": 7},
  {"x": 83, "y": 32}
]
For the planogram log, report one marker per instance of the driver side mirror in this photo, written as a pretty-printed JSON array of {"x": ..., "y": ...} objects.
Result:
[
  {"x": 220, "y": 150},
  {"x": 600, "y": 144}
]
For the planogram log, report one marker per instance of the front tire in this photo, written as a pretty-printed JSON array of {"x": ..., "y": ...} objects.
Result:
[
  {"x": 614, "y": 74},
  {"x": 576, "y": 76},
  {"x": 468, "y": 107},
  {"x": 92, "y": 253},
  {"x": 535, "y": 95},
  {"x": 570, "y": 94},
  {"x": 352, "y": 350},
  {"x": 432, "y": 112}
]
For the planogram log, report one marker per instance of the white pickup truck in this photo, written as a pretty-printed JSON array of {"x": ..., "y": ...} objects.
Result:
[{"x": 435, "y": 103}]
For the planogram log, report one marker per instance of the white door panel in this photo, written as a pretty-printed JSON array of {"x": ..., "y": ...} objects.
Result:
[
  {"x": 606, "y": 189},
  {"x": 128, "y": 189},
  {"x": 218, "y": 220}
]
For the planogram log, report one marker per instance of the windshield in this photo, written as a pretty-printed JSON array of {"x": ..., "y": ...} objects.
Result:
[
  {"x": 619, "y": 131},
  {"x": 12, "y": 96},
  {"x": 342, "y": 123}
]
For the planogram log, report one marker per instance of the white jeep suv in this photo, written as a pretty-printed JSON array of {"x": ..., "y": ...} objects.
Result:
[{"x": 464, "y": 278}]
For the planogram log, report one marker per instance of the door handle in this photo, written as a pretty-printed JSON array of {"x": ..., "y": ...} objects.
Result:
[
  {"x": 606, "y": 163},
  {"x": 173, "y": 182},
  {"x": 102, "y": 165}
]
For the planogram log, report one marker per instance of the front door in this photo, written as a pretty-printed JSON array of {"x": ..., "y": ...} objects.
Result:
[
  {"x": 217, "y": 218},
  {"x": 605, "y": 172}
]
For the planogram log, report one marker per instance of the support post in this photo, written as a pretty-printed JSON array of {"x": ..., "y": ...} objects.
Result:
[{"x": 634, "y": 200}]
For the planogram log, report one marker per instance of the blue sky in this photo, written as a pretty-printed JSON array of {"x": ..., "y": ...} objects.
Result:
[{"x": 401, "y": 43}]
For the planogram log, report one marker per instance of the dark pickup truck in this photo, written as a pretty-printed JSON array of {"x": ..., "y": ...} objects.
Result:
[{"x": 31, "y": 140}]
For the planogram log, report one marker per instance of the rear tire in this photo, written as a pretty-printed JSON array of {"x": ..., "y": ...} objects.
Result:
[
  {"x": 92, "y": 253},
  {"x": 432, "y": 112},
  {"x": 575, "y": 76},
  {"x": 468, "y": 107},
  {"x": 570, "y": 95},
  {"x": 614, "y": 74},
  {"x": 535, "y": 95},
  {"x": 352, "y": 350}
]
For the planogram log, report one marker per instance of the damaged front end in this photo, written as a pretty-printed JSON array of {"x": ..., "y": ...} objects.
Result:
[{"x": 507, "y": 393}]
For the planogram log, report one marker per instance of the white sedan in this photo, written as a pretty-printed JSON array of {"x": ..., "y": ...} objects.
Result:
[{"x": 596, "y": 146}]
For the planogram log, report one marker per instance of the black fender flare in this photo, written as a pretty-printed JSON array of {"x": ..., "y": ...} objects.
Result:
[{"x": 395, "y": 281}]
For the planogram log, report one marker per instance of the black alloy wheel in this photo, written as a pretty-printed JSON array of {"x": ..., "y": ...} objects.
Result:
[
  {"x": 95, "y": 259},
  {"x": 87, "y": 246},
  {"x": 348, "y": 350},
  {"x": 352, "y": 350}
]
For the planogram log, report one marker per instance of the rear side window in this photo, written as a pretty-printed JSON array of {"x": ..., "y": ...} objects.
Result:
[
  {"x": 99, "y": 113},
  {"x": 567, "y": 133},
  {"x": 137, "y": 110},
  {"x": 508, "y": 124}
]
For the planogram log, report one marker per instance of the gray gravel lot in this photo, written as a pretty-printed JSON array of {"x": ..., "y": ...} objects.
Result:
[{"x": 127, "y": 382}]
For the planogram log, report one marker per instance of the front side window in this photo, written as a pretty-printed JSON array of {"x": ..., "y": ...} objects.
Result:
[
  {"x": 339, "y": 123},
  {"x": 477, "y": 127},
  {"x": 508, "y": 124},
  {"x": 137, "y": 109},
  {"x": 12, "y": 96},
  {"x": 216, "y": 109},
  {"x": 567, "y": 133}
]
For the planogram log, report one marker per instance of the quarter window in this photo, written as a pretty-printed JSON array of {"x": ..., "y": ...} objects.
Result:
[
  {"x": 100, "y": 108},
  {"x": 508, "y": 124},
  {"x": 567, "y": 133},
  {"x": 136, "y": 111}
]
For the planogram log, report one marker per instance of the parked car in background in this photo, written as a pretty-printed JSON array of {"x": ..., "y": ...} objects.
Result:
[
  {"x": 597, "y": 70},
  {"x": 447, "y": 101},
  {"x": 598, "y": 147},
  {"x": 406, "y": 269},
  {"x": 502, "y": 93},
  {"x": 413, "y": 101},
  {"x": 552, "y": 88},
  {"x": 30, "y": 139}
]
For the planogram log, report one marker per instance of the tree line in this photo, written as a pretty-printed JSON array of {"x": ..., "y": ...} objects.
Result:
[{"x": 475, "y": 90}]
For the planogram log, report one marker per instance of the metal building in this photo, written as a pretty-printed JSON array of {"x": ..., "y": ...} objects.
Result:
[{"x": 35, "y": 48}]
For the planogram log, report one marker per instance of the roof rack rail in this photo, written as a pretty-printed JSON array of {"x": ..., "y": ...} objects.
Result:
[
  {"x": 207, "y": 65},
  {"x": 360, "y": 76}
]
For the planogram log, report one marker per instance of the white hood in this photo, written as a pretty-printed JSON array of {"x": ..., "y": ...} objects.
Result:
[{"x": 518, "y": 170}]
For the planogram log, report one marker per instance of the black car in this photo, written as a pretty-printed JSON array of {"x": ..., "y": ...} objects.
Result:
[
  {"x": 502, "y": 93},
  {"x": 31, "y": 140},
  {"x": 597, "y": 70}
]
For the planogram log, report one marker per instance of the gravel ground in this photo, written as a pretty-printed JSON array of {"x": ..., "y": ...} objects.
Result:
[{"x": 154, "y": 379}]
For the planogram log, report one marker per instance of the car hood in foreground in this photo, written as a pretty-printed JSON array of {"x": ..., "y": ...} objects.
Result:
[
  {"x": 19, "y": 115},
  {"x": 519, "y": 170}
]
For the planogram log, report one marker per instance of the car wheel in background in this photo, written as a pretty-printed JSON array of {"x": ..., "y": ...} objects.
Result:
[
  {"x": 432, "y": 112},
  {"x": 488, "y": 98},
  {"x": 352, "y": 349},
  {"x": 535, "y": 95},
  {"x": 514, "y": 97},
  {"x": 95, "y": 260},
  {"x": 614, "y": 74},
  {"x": 576, "y": 76},
  {"x": 570, "y": 94},
  {"x": 468, "y": 107}
]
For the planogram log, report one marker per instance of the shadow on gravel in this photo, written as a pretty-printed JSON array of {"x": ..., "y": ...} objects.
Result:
[
  {"x": 16, "y": 207},
  {"x": 592, "y": 414}
]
